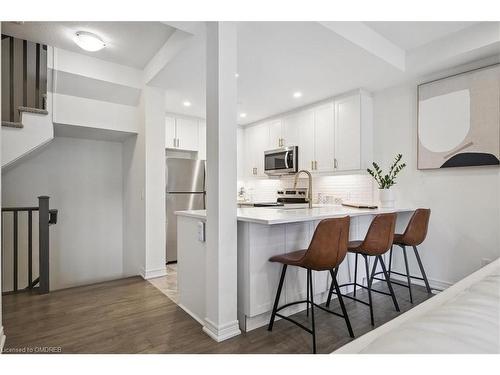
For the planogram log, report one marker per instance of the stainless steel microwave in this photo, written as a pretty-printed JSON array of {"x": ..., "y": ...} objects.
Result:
[{"x": 281, "y": 161}]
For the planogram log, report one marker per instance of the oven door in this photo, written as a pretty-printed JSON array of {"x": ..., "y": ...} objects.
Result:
[{"x": 280, "y": 161}]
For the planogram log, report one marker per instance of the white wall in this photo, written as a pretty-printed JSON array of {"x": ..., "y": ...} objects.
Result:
[
  {"x": 84, "y": 181},
  {"x": 72, "y": 110},
  {"x": 465, "y": 202}
]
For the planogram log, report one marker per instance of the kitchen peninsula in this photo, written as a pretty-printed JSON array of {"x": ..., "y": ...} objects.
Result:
[{"x": 262, "y": 233}]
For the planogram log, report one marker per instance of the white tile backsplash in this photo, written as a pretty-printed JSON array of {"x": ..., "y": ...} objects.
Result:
[{"x": 356, "y": 187}]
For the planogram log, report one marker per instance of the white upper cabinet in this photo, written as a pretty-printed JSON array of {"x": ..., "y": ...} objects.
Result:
[
  {"x": 348, "y": 133},
  {"x": 170, "y": 137},
  {"x": 184, "y": 133},
  {"x": 298, "y": 131},
  {"x": 324, "y": 142},
  {"x": 275, "y": 134},
  {"x": 187, "y": 134},
  {"x": 240, "y": 153},
  {"x": 256, "y": 141},
  {"x": 202, "y": 140}
]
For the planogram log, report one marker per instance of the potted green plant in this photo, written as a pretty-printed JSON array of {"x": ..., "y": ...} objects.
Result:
[{"x": 385, "y": 182}]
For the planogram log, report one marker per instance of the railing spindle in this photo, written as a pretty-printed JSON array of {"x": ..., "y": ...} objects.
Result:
[
  {"x": 43, "y": 222},
  {"x": 15, "y": 251},
  {"x": 30, "y": 249}
]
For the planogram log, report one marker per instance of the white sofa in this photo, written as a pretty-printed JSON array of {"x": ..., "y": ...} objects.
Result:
[{"x": 465, "y": 318}]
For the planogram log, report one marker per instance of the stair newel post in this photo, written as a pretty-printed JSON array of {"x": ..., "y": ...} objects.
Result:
[{"x": 43, "y": 209}]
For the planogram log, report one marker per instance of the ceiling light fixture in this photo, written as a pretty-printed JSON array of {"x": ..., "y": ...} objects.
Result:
[
  {"x": 297, "y": 94},
  {"x": 243, "y": 115},
  {"x": 88, "y": 41},
  {"x": 186, "y": 103},
  {"x": 236, "y": 75}
]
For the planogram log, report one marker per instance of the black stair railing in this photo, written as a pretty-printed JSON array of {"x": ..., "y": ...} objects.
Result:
[{"x": 46, "y": 217}]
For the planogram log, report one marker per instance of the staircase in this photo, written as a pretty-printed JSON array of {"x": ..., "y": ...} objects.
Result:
[{"x": 26, "y": 121}]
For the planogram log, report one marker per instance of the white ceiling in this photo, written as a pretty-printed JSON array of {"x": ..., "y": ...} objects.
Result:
[
  {"x": 277, "y": 58},
  {"x": 410, "y": 35},
  {"x": 127, "y": 43}
]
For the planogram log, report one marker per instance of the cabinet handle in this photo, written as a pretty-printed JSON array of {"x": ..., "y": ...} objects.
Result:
[
  {"x": 335, "y": 164},
  {"x": 254, "y": 171},
  {"x": 312, "y": 165},
  {"x": 178, "y": 142},
  {"x": 174, "y": 143},
  {"x": 315, "y": 165}
]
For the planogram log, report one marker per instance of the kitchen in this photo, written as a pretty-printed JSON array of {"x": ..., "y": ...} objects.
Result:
[
  {"x": 255, "y": 187},
  {"x": 335, "y": 138}
]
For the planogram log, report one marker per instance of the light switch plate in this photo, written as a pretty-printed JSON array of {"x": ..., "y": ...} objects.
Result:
[{"x": 201, "y": 231}]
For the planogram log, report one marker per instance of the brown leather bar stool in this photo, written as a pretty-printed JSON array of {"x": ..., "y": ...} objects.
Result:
[
  {"x": 414, "y": 234},
  {"x": 378, "y": 241},
  {"x": 326, "y": 251}
]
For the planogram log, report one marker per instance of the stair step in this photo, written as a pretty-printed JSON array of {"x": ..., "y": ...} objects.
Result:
[
  {"x": 10, "y": 124},
  {"x": 33, "y": 110}
]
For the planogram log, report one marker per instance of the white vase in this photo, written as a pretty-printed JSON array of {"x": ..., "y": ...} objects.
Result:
[{"x": 386, "y": 197}]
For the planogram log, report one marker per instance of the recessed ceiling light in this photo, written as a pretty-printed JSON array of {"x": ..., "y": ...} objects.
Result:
[
  {"x": 236, "y": 75},
  {"x": 186, "y": 103},
  {"x": 88, "y": 41},
  {"x": 243, "y": 115},
  {"x": 297, "y": 94}
]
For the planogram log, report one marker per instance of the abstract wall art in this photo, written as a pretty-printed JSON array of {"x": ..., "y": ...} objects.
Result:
[{"x": 459, "y": 120}]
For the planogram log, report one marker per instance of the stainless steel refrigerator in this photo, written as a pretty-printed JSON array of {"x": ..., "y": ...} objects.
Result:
[{"x": 185, "y": 191}]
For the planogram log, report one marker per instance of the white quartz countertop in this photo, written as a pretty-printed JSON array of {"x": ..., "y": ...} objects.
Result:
[{"x": 269, "y": 216}]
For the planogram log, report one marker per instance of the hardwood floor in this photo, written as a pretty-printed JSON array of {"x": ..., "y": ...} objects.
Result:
[{"x": 132, "y": 316}]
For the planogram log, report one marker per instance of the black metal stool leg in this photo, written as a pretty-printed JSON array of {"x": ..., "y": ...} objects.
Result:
[
  {"x": 389, "y": 285},
  {"x": 355, "y": 273},
  {"x": 420, "y": 265},
  {"x": 330, "y": 292},
  {"x": 368, "y": 283},
  {"x": 374, "y": 268},
  {"x": 277, "y": 299},
  {"x": 342, "y": 306},
  {"x": 311, "y": 294},
  {"x": 407, "y": 272},
  {"x": 307, "y": 303}
]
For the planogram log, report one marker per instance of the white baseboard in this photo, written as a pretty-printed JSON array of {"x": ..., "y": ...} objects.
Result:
[
  {"x": 2, "y": 339},
  {"x": 437, "y": 285},
  {"x": 151, "y": 274},
  {"x": 221, "y": 333}
]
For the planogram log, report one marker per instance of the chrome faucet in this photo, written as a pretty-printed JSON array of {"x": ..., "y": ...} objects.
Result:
[{"x": 309, "y": 191}]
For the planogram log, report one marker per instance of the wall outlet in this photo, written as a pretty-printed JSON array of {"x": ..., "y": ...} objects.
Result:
[{"x": 485, "y": 261}]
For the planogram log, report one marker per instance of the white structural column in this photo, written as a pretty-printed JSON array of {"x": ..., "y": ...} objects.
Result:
[
  {"x": 221, "y": 320},
  {"x": 154, "y": 124}
]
